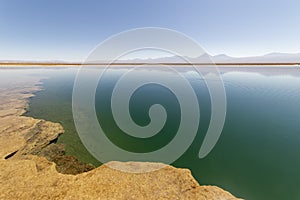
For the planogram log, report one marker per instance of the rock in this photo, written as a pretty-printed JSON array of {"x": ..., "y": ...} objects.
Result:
[
  {"x": 64, "y": 163},
  {"x": 21, "y": 136},
  {"x": 37, "y": 178},
  {"x": 41, "y": 135}
]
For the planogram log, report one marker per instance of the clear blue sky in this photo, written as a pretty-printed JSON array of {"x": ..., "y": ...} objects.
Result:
[{"x": 70, "y": 29}]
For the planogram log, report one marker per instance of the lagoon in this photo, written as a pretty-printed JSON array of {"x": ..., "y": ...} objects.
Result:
[{"x": 257, "y": 155}]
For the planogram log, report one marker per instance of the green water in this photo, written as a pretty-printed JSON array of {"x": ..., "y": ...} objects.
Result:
[
  {"x": 257, "y": 155},
  {"x": 54, "y": 103}
]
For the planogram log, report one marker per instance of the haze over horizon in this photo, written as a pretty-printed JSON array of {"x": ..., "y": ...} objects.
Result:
[{"x": 69, "y": 30}]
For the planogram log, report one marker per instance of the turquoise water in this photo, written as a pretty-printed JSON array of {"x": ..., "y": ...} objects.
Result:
[{"x": 257, "y": 155}]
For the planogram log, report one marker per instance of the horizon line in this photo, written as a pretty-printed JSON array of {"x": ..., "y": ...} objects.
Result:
[{"x": 3, "y": 64}]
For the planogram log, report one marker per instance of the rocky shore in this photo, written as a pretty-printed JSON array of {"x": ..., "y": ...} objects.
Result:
[
  {"x": 34, "y": 166},
  {"x": 21, "y": 136}
]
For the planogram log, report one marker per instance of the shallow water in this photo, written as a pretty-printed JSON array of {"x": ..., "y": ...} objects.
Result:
[{"x": 257, "y": 155}]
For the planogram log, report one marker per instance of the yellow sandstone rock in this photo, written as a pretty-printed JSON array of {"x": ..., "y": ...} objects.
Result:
[{"x": 37, "y": 178}]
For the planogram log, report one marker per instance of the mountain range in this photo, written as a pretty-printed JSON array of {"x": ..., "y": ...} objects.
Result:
[
  {"x": 223, "y": 58},
  {"x": 289, "y": 58}
]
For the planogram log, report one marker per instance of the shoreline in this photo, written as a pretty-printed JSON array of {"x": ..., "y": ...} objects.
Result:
[
  {"x": 33, "y": 176},
  {"x": 37, "y": 136}
]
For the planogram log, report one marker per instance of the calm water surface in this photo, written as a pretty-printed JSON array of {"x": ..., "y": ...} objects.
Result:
[{"x": 257, "y": 155}]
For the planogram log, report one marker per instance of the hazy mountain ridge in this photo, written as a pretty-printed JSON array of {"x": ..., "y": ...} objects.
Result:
[{"x": 223, "y": 58}]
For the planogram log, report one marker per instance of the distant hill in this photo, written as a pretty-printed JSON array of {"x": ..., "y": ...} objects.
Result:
[
  {"x": 268, "y": 58},
  {"x": 223, "y": 58}
]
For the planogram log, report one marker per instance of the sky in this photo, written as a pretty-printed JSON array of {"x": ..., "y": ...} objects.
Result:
[{"x": 68, "y": 29}]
